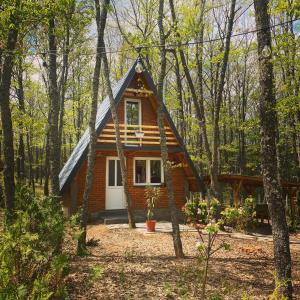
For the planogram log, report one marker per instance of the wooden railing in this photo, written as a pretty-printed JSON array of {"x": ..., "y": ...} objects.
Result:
[{"x": 149, "y": 135}]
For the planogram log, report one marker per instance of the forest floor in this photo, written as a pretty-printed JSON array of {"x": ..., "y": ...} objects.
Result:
[{"x": 131, "y": 264}]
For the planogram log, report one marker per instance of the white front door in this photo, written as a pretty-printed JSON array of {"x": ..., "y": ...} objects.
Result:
[{"x": 115, "y": 198}]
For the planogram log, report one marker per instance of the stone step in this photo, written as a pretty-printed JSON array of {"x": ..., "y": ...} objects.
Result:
[{"x": 122, "y": 219}]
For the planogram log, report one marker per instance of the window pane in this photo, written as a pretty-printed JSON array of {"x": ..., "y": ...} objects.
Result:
[
  {"x": 140, "y": 171},
  {"x": 155, "y": 171},
  {"x": 111, "y": 173},
  {"x": 119, "y": 176},
  {"x": 132, "y": 113}
]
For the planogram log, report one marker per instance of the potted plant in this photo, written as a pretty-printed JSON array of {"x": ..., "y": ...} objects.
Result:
[{"x": 152, "y": 196}]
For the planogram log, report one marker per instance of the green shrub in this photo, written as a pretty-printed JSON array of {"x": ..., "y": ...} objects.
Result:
[
  {"x": 196, "y": 211},
  {"x": 31, "y": 263},
  {"x": 206, "y": 213},
  {"x": 152, "y": 196},
  {"x": 240, "y": 218}
]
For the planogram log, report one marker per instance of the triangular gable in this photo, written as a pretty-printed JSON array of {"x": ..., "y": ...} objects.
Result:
[
  {"x": 103, "y": 115},
  {"x": 187, "y": 157}
]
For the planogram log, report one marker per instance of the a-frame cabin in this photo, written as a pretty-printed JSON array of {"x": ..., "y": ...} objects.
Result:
[{"x": 136, "y": 106}]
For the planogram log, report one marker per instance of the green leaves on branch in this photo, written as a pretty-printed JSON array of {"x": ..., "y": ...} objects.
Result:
[{"x": 32, "y": 267}]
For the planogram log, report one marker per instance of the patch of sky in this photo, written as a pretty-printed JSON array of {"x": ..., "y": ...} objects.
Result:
[{"x": 296, "y": 27}]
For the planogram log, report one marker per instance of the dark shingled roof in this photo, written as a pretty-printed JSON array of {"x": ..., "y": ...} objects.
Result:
[{"x": 103, "y": 115}]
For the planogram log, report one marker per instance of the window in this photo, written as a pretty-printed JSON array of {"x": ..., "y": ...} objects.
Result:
[
  {"x": 114, "y": 173},
  {"x": 132, "y": 112},
  {"x": 140, "y": 171},
  {"x": 155, "y": 171},
  {"x": 133, "y": 121},
  {"x": 148, "y": 171}
]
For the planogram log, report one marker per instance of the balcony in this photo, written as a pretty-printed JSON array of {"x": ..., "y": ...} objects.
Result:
[{"x": 136, "y": 135}]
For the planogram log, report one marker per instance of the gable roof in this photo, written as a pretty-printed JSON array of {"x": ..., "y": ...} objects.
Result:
[{"x": 103, "y": 115}]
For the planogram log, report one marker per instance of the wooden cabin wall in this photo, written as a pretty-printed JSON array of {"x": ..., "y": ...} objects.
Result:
[{"x": 97, "y": 196}]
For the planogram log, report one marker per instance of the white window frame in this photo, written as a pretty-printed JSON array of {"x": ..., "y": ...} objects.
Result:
[
  {"x": 125, "y": 119},
  {"x": 148, "y": 171},
  {"x": 140, "y": 109},
  {"x": 115, "y": 158}
]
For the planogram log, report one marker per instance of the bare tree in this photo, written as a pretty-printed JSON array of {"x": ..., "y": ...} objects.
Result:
[
  {"x": 268, "y": 119},
  {"x": 163, "y": 140},
  {"x": 198, "y": 101},
  {"x": 101, "y": 16},
  {"x": 54, "y": 144},
  {"x": 5, "y": 84},
  {"x": 119, "y": 145},
  {"x": 215, "y": 161}
]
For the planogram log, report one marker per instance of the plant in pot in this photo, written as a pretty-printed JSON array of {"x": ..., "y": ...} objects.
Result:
[{"x": 152, "y": 196}]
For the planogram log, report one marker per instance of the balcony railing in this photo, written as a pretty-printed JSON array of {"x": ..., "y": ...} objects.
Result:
[{"x": 136, "y": 135}]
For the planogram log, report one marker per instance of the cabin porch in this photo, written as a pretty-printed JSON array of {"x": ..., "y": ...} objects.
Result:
[{"x": 235, "y": 188}]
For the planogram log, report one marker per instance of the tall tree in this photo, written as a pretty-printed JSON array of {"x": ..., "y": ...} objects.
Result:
[
  {"x": 54, "y": 143},
  {"x": 163, "y": 139},
  {"x": 101, "y": 16},
  {"x": 9, "y": 55},
  {"x": 198, "y": 101},
  {"x": 21, "y": 147},
  {"x": 119, "y": 145},
  {"x": 268, "y": 120},
  {"x": 215, "y": 159}
]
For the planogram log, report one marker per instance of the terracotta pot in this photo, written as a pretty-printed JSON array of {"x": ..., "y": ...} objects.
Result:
[{"x": 150, "y": 225}]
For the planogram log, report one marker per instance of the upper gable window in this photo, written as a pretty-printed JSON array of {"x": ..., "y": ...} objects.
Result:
[
  {"x": 133, "y": 121},
  {"x": 133, "y": 112}
]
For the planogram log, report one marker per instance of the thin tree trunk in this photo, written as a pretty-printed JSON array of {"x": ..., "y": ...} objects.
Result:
[
  {"x": 179, "y": 97},
  {"x": 54, "y": 144},
  {"x": 65, "y": 73},
  {"x": 21, "y": 148},
  {"x": 197, "y": 100},
  {"x": 119, "y": 145},
  {"x": 46, "y": 166},
  {"x": 8, "y": 146},
  {"x": 101, "y": 22},
  {"x": 30, "y": 160},
  {"x": 214, "y": 185},
  {"x": 163, "y": 140},
  {"x": 268, "y": 119}
]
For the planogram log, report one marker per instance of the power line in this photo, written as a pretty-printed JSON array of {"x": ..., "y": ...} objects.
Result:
[
  {"x": 244, "y": 11},
  {"x": 168, "y": 46}
]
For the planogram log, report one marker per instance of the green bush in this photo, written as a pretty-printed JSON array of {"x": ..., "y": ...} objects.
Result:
[
  {"x": 240, "y": 218},
  {"x": 31, "y": 263},
  {"x": 196, "y": 211},
  {"x": 152, "y": 196}
]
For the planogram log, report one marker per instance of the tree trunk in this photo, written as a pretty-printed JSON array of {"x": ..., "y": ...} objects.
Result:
[
  {"x": 214, "y": 185},
  {"x": 119, "y": 145},
  {"x": 268, "y": 119},
  {"x": 163, "y": 140},
  {"x": 21, "y": 148},
  {"x": 30, "y": 161},
  {"x": 8, "y": 146},
  {"x": 197, "y": 100},
  {"x": 179, "y": 97},
  {"x": 100, "y": 22},
  {"x": 46, "y": 165},
  {"x": 54, "y": 144},
  {"x": 65, "y": 73}
]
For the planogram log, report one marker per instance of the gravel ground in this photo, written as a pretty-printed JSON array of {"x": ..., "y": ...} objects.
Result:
[{"x": 131, "y": 264}]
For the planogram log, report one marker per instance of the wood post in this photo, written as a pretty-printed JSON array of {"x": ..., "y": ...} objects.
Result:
[{"x": 236, "y": 187}]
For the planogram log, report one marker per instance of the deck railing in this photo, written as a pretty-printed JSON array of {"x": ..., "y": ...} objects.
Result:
[{"x": 136, "y": 135}]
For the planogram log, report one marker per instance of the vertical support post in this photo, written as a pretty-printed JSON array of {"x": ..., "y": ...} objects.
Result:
[{"x": 236, "y": 186}]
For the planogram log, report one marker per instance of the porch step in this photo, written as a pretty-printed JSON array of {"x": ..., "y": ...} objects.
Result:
[{"x": 123, "y": 219}]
